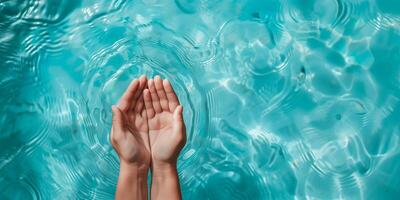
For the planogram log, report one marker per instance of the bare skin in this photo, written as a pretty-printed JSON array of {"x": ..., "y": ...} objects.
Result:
[
  {"x": 148, "y": 132},
  {"x": 167, "y": 137},
  {"x": 130, "y": 139}
]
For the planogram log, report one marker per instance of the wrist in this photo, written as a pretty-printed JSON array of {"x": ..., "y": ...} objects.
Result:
[
  {"x": 163, "y": 170},
  {"x": 133, "y": 170}
]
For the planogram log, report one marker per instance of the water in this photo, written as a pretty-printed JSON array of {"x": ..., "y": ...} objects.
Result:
[{"x": 283, "y": 99}]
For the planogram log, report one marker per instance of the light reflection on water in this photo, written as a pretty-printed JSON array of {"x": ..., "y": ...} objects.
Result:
[{"x": 283, "y": 99}]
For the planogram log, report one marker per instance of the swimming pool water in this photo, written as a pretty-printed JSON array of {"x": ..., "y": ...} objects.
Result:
[{"x": 290, "y": 99}]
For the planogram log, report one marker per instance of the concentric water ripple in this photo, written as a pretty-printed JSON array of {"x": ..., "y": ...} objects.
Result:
[{"x": 284, "y": 99}]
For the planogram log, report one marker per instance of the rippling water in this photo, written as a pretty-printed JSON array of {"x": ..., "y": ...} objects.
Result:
[{"x": 285, "y": 99}]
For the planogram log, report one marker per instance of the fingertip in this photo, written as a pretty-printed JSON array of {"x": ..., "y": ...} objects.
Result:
[
  {"x": 134, "y": 83},
  {"x": 133, "y": 86},
  {"x": 115, "y": 108},
  {"x": 143, "y": 80},
  {"x": 150, "y": 83},
  {"x": 166, "y": 82},
  {"x": 179, "y": 109},
  {"x": 167, "y": 86},
  {"x": 146, "y": 92},
  {"x": 158, "y": 83}
]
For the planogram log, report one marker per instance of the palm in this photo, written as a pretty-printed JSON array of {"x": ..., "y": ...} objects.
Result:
[
  {"x": 136, "y": 123},
  {"x": 165, "y": 123},
  {"x": 135, "y": 143},
  {"x": 161, "y": 122},
  {"x": 160, "y": 130}
]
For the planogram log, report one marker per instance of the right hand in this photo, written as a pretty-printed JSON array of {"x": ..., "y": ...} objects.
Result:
[{"x": 166, "y": 126}]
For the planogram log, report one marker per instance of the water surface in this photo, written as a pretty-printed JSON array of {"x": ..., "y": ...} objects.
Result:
[{"x": 285, "y": 99}]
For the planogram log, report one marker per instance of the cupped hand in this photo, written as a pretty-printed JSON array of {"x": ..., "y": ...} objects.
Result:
[
  {"x": 167, "y": 132},
  {"x": 129, "y": 133}
]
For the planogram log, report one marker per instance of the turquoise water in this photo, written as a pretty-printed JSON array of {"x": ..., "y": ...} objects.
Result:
[{"x": 291, "y": 99}]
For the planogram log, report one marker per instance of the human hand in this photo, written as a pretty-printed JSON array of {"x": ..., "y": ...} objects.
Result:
[
  {"x": 167, "y": 133},
  {"x": 129, "y": 134},
  {"x": 148, "y": 128}
]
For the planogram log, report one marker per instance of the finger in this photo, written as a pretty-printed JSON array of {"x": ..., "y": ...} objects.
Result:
[
  {"x": 178, "y": 114},
  {"x": 173, "y": 101},
  {"x": 145, "y": 135},
  {"x": 117, "y": 121},
  {"x": 112, "y": 137},
  {"x": 148, "y": 104},
  {"x": 139, "y": 104},
  {"x": 179, "y": 124},
  {"x": 154, "y": 97},
  {"x": 161, "y": 93},
  {"x": 126, "y": 99},
  {"x": 143, "y": 83},
  {"x": 143, "y": 113},
  {"x": 139, "y": 91}
]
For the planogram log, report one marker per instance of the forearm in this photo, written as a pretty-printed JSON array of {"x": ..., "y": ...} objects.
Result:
[
  {"x": 165, "y": 183},
  {"x": 132, "y": 183}
]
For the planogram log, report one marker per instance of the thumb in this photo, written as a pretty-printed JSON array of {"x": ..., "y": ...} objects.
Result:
[
  {"x": 117, "y": 120},
  {"x": 178, "y": 114},
  {"x": 178, "y": 118}
]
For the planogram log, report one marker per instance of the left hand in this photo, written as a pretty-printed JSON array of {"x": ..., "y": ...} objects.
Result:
[{"x": 129, "y": 134}]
